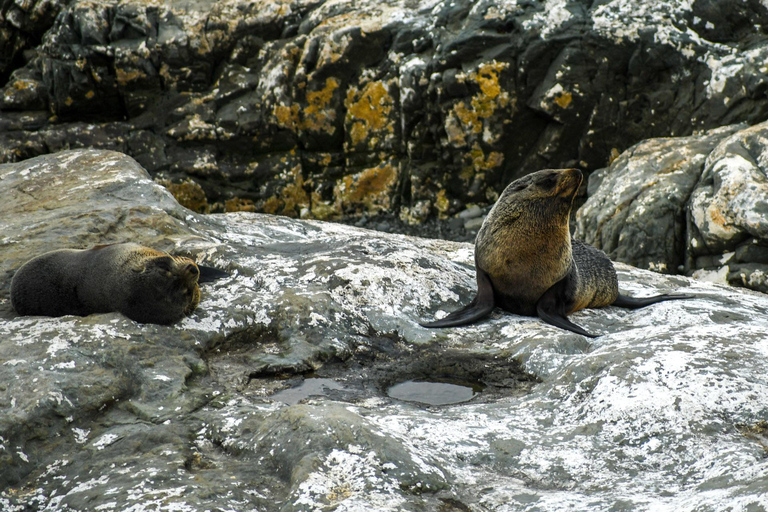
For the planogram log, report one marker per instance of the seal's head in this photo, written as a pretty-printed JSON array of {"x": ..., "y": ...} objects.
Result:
[
  {"x": 164, "y": 282},
  {"x": 539, "y": 201},
  {"x": 543, "y": 186},
  {"x": 524, "y": 244}
]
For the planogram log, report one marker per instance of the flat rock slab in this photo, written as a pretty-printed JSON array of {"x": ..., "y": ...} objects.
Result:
[{"x": 665, "y": 411}]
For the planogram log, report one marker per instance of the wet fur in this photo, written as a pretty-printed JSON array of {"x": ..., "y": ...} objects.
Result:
[
  {"x": 144, "y": 284},
  {"x": 527, "y": 262}
]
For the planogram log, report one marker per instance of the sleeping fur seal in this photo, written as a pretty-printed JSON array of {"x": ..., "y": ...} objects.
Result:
[
  {"x": 144, "y": 284},
  {"x": 527, "y": 262}
]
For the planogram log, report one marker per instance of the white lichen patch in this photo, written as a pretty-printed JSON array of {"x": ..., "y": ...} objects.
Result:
[
  {"x": 349, "y": 481},
  {"x": 81, "y": 435},
  {"x": 105, "y": 440}
]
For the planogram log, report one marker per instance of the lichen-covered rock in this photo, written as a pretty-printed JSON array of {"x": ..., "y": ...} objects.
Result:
[
  {"x": 686, "y": 205},
  {"x": 102, "y": 413},
  {"x": 329, "y": 109}
]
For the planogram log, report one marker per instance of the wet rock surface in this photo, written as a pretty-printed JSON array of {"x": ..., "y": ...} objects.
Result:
[
  {"x": 343, "y": 110},
  {"x": 694, "y": 205},
  {"x": 664, "y": 410}
]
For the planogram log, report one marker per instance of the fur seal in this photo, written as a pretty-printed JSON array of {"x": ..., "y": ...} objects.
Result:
[
  {"x": 144, "y": 284},
  {"x": 528, "y": 264}
]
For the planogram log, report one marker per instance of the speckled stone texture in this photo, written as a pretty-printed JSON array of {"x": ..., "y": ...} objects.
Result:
[
  {"x": 694, "y": 205},
  {"x": 331, "y": 109},
  {"x": 664, "y": 411}
]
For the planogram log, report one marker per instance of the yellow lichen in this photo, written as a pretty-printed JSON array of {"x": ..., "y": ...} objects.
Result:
[
  {"x": 368, "y": 113},
  {"x": 324, "y": 210},
  {"x": 239, "y": 204},
  {"x": 564, "y": 99},
  {"x": 317, "y": 115},
  {"x": 292, "y": 198},
  {"x": 287, "y": 116},
  {"x": 482, "y": 105},
  {"x": 490, "y": 96},
  {"x": 23, "y": 84},
  {"x": 189, "y": 194},
  {"x": 477, "y": 161},
  {"x": 370, "y": 189},
  {"x": 442, "y": 203},
  {"x": 613, "y": 156},
  {"x": 124, "y": 77}
]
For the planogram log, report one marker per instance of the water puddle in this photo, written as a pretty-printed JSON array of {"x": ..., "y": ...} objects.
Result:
[
  {"x": 433, "y": 393},
  {"x": 309, "y": 387}
]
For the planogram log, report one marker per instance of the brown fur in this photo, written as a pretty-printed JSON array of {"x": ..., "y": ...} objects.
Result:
[
  {"x": 525, "y": 244},
  {"x": 144, "y": 284},
  {"x": 527, "y": 263}
]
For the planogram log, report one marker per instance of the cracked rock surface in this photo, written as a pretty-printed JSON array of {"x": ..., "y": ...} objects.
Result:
[{"x": 665, "y": 410}]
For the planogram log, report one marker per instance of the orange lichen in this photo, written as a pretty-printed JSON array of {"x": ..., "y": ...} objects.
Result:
[
  {"x": 317, "y": 115},
  {"x": 189, "y": 194},
  {"x": 239, "y": 204},
  {"x": 564, "y": 99},
  {"x": 370, "y": 189},
  {"x": 368, "y": 113}
]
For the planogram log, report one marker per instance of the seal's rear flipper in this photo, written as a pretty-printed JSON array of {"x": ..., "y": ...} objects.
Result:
[
  {"x": 623, "y": 301},
  {"x": 480, "y": 306},
  {"x": 209, "y": 274},
  {"x": 551, "y": 308}
]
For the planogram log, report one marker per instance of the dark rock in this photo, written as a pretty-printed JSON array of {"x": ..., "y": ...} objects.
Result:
[{"x": 459, "y": 98}]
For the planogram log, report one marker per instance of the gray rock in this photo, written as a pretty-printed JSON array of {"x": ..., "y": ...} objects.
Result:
[
  {"x": 689, "y": 204},
  {"x": 664, "y": 410},
  {"x": 636, "y": 211}
]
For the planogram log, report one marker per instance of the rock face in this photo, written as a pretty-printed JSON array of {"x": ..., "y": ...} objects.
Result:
[
  {"x": 331, "y": 109},
  {"x": 690, "y": 204},
  {"x": 666, "y": 410}
]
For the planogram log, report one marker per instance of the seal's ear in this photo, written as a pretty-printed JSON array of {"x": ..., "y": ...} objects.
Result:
[{"x": 209, "y": 274}]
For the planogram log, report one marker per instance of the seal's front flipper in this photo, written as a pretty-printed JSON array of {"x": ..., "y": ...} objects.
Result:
[
  {"x": 209, "y": 274},
  {"x": 623, "y": 301},
  {"x": 480, "y": 306},
  {"x": 552, "y": 308}
]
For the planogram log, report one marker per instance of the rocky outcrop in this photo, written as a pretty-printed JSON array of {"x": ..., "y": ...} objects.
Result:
[
  {"x": 329, "y": 109},
  {"x": 102, "y": 413},
  {"x": 694, "y": 205}
]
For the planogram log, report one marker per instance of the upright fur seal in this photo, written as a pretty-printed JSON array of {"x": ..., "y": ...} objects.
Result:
[
  {"x": 144, "y": 284},
  {"x": 528, "y": 264}
]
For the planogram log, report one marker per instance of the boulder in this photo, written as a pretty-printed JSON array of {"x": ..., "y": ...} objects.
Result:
[
  {"x": 351, "y": 110},
  {"x": 664, "y": 410},
  {"x": 693, "y": 205}
]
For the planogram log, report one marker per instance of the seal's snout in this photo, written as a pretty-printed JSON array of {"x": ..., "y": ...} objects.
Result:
[{"x": 570, "y": 181}]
